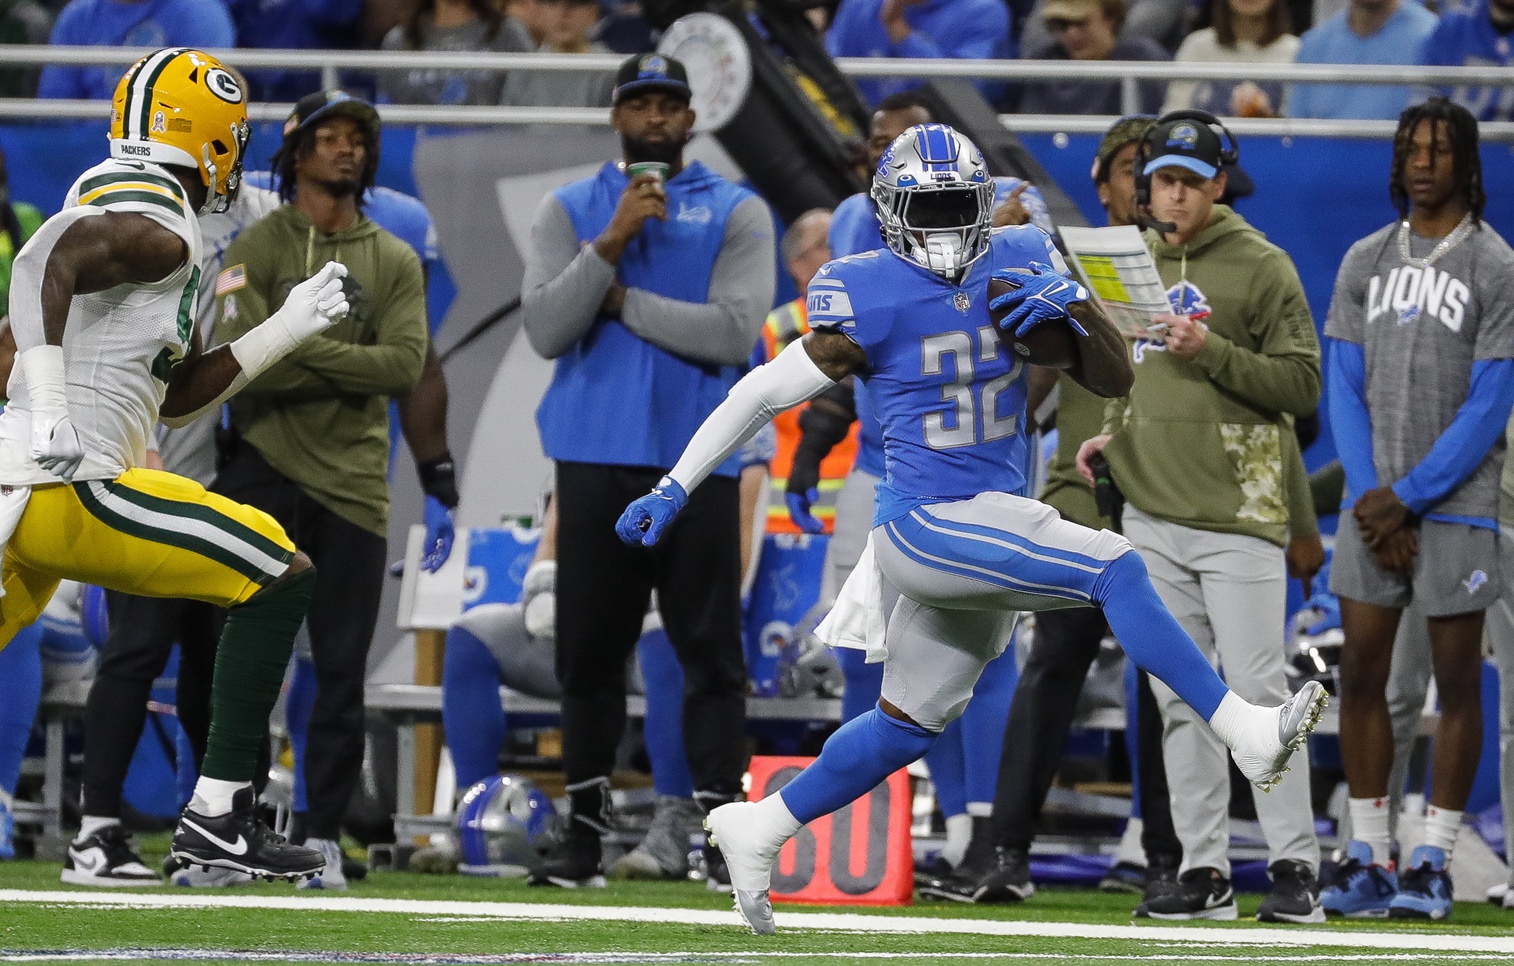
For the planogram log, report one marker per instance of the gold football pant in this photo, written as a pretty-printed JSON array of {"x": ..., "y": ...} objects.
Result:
[{"x": 146, "y": 532}]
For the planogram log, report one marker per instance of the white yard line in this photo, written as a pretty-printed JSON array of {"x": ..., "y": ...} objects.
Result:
[{"x": 1399, "y": 941}]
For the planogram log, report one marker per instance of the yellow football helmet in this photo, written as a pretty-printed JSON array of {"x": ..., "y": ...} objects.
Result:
[{"x": 180, "y": 106}]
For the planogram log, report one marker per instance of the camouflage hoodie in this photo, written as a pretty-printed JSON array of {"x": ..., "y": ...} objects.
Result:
[{"x": 1201, "y": 442}]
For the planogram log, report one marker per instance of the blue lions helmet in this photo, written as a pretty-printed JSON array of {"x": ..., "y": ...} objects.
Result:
[
  {"x": 505, "y": 827},
  {"x": 934, "y": 198}
]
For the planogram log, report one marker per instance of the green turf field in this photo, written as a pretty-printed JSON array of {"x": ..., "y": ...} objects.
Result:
[{"x": 409, "y": 918}]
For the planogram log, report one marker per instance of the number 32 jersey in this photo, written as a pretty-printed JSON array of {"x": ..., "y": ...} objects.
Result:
[{"x": 949, "y": 397}]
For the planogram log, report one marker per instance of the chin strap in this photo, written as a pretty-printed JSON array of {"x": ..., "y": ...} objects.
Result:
[{"x": 941, "y": 252}]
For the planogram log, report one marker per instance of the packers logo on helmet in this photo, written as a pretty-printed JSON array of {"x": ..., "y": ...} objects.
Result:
[{"x": 180, "y": 106}]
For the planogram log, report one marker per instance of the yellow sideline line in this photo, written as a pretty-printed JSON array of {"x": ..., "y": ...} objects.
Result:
[{"x": 1397, "y": 941}]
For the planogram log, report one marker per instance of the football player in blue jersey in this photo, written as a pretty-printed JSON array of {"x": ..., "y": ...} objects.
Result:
[{"x": 953, "y": 553}]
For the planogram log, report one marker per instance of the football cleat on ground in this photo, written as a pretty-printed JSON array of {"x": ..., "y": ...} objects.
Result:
[
  {"x": 1294, "y": 896},
  {"x": 331, "y": 878},
  {"x": 749, "y": 862},
  {"x": 664, "y": 853},
  {"x": 574, "y": 863},
  {"x": 1262, "y": 753},
  {"x": 239, "y": 840},
  {"x": 1003, "y": 877},
  {"x": 107, "y": 860}
]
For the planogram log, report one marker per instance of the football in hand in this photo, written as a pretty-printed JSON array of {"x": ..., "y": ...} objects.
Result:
[{"x": 1050, "y": 344}]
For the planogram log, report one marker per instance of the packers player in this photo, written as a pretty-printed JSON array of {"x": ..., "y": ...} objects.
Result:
[{"x": 102, "y": 313}]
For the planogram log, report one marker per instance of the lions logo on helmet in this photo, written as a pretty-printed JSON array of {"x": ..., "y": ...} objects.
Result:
[
  {"x": 180, "y": 106},
  {"x": 505, "y": 827},
  {"x": 934, "y": 199}
]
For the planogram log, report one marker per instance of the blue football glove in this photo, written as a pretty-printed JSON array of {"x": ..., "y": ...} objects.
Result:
[
  {"x": 799, "y": 510},
  {"x": 648, "y": 516},
  {"x": 440, "y": 532},
  {"x": 1043, "y": 295}
]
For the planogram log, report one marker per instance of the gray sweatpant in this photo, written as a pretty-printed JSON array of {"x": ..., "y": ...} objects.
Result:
[{"x": 1229, "y": 592}]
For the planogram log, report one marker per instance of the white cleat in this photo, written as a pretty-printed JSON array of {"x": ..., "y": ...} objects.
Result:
[
  {"x": 750, "y": 863},
  {"x": 1262, "y": 753}
]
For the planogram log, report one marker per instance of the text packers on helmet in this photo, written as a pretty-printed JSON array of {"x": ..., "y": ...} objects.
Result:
[
  {"x": 180, "y": 106},
  {"x": 934, "y": 198}
]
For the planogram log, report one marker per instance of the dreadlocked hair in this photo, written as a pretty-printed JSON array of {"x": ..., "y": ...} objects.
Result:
[
  {"x": 298, "y": 143},
  {"x": 1461, "y": 131}
]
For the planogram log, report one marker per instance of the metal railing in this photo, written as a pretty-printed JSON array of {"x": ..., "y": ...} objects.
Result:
[{"x": 1130, "y": 73}]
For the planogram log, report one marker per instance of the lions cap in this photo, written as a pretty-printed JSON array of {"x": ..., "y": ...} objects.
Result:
[
  {"x": 650, "y": 72},
  {"x": 1185, "y": 144},
  {"x": 313, "y": 108}
]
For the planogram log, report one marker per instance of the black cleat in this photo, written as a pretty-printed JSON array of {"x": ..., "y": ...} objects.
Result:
[
  {"x": 574, "y": 863},
  {"x": 1004, "y": 878},
  {"x": 239, "y": 840},
  {"x": 1202, "y": 893}
]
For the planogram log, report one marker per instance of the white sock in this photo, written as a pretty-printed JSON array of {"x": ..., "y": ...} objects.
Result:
[
  {"x": 213, "y": 796},
  {"x": 90, "y": 824},
  {"x": 1231, "y": 718},
  {"x": 774, "y": 821},
  {"x": 959, "y": 831},
  {"x": 1369, "y": 825},
  {"x": 1441, "y": 826},
  {"x": 1130, "y": 850}
]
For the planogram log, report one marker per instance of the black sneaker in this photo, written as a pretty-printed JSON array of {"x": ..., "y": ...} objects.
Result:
[
  {"x": 1294, "y": 896},
  {"x": 577, "y": 862},
  {"x": 1124, "y": 877},
  {"x": 1201, "y": 893},
  {"x": 1161, "y": 879},
  {"x": 717, "y": 875},
  {"x": 107, "y": 860},
  {"x": 239, "y": 840},
  {"x": 1005, "y": 878}
]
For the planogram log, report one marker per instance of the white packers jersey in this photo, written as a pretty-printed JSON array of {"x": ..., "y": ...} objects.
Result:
[{"x": 120, "y": 345}]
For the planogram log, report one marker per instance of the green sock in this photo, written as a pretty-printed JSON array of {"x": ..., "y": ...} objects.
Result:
[{"x": 250, "y": 664}]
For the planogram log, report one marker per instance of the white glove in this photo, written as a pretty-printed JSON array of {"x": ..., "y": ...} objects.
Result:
[
  {"x": 55, "y": 444},
  {"x": 539, "y": 594},
  {"x": 311, "y": 307}
]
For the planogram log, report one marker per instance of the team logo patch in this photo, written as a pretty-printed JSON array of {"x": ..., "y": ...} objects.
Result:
[
  {"x": 231, "y": 279},
  {"x": 1475, "y": 581},
  {"x": 962, "y": 302},
  {"x": 1183, "y": 135},
  {"x": 223, "y": 85},
  {"x": 1187, "y": 299}
]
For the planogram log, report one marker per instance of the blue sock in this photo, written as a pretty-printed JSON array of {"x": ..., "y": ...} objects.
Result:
[
  {"x": 21, "y": 670},
  {"x": 983, "y": 726},
  {"x": 1153, "y": 638},
  {"x": 1132, "y": 734},
  {"x": 859, "y": 756},
  {"x": 948, "y": 770},
  {"x": 662, "y": 730},
  {"x": 299, "y": 704},
  {"x": 472, "y": 717},
  {"x": 864, "y": 682}
]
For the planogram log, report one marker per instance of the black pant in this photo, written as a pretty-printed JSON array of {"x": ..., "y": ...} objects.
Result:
[
  {"x": 603, "y": 589},
  {"x": 143, "y": 630},
  {"x": 1040, "y": 717},
  {"x": 349, "y": 564}
]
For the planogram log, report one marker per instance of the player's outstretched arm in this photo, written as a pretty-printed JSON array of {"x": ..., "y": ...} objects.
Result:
[
  {"x": 1103, "y": 367},
  {"x": 203, "y": 380},
  {"x": 802, "y": 371}
]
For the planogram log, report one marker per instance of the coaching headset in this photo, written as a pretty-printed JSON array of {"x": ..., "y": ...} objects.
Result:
[{"x": 1147, "y": 149}]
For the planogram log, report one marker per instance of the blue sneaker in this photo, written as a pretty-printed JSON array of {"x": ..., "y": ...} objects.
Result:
[
  {"x": 1425, "y": 892},
  {"x": 7, "y": 828},
  {"x": 1358, "y": 888}
]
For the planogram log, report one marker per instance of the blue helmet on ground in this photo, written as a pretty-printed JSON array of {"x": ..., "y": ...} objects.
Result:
[{"x": 505, "y": 827}]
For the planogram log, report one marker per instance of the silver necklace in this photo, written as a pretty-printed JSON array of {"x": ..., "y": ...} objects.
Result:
[{"x": 1462, "y": 230}]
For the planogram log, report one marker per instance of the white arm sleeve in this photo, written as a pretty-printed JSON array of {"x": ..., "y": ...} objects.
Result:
[{"x": 761, "y": 394}]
